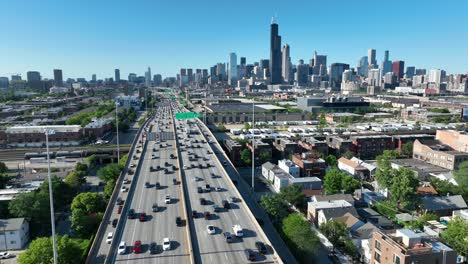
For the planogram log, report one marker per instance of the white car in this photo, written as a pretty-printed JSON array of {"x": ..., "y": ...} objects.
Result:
[
  {"x": 122, "y": 248},
  {"x": 210, "y": 229},
  {"x": 5, "y": 255},
  {"x": 167, "y": 199},
  {"x": 124, "y": 189},
  {"x": 166, "y": 243},
  {"x": 110, "y": 235},
  {"x": 132, "y": 165}
]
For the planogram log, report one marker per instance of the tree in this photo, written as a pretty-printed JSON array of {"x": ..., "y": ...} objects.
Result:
[
  {"x": 74, "y": 180},
  {"x": 92, "y": 160},
  {"x": 331, "y": 160},
  {"x": 349, "y": 184},
  {"x": 275, "y": 207},
  {"x": 407, "y": 149},
  {"x": 297, "y": 234},
  {"x": 3, "y": 168},
  {"x": 386, "y": 208},
  {"x": 293, "y": 194},
  {"x": 63, "y": 194},
  {"x": 456, "y": 234},
  {"x": 403, "y": 189},
  {"x": 335, "y": 231},
  {"x": 264, "y": 157},
  {"x": 4, "y": 180},
  {"x": 461, "y": 174},
  {"x": 109, "y": 188},
  {"x": 87, "y": 210},
  {"x": 34, "y": 206},
  {"x": 332, "y": 181},
  {"x": 246, "y": 157},
  {"x": 109, "y": 172},
  {"x": 122, "y": 162},
  {"x": 348, "y": 154},
  {"x": 421, "y": 221},
  {"x": 385, "y": 174},
  {"x": 69, "y": 251},
  {"x": 247, "y": 126}
]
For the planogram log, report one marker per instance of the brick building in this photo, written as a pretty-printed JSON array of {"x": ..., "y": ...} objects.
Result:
[
  {"x": 400, "y": 140},
  {"x": 285, "y": 147},
  {"x": 233, "y": 150},
  {"x": 310, "y": 165},
  {"x": 33, "y": 136},
  {"x": 455, "y": 139},
  {"x": 437, "y": 153},
  {"x": 368, "y": 147},
  {"x": 314, "y": 145}
]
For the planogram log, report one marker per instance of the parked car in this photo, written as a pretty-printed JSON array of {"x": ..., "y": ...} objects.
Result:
[
  {"x": 194, "y": 214},
  {"x": 202, "y": 201},
  {"x": 119, "y": 209},
  {"x": 226, "y": 204},
  {"x": 155, "y": 207}
]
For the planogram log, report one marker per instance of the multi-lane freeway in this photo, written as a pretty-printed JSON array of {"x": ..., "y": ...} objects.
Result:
[{"x": 180, "y": 191}]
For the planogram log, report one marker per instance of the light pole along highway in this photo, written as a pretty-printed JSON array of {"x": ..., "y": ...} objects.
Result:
[{"x": 48, "y": 132}]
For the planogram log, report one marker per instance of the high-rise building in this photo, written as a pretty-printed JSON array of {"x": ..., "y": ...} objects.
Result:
[
  {"x": 398, "y": 68},
  {"x": 221, "y": 71},
  {"x": 319, "y": 65},
  {"x": 117, "y": 75},
  {"x": 132, "y": 77},
  {"x": 371, "y": 57},
  {"x": 302, "y": 74},
  {"x": 420, "y": 72},
  {"x": 275, "y": 54},
  {"x": 213, "y": 71},
  {"x": 33, "y": 76},
  {"x": 243, "y": 61},
  {"x": 436, "y": 76},
  {"x": 386, "y": 64},
  {"x": 16, "y": 77},
  {"x": 336, "y": 74},
  {"x": 190, "y": 74},
  {"x": 58, "y": 78},
  {"x": 148, "y": 77},
  {"x": 374, "y": 78},
  {"x": 286, "y": 68},
  {"x": 362, "y": 66},
  {"x": 410, "y": 71},
  {"x": 4, "y": 82},
  {"x": 157, "y": 79},
  {"x": 264, "y": 64},
  {"x": 232, "y": 78},
  {"x": 93, "y": 78}
]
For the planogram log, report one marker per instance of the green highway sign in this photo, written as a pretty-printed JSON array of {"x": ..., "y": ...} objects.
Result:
[
  {"x": 172, "y": 97},
  {"x": 187, "y": 115}
]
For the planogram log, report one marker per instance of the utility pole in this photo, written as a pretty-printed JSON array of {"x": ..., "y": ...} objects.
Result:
[
  {"x": 52, "y": 214},
  {"x": 117, "y": 126},
  {"x": 253, "y": 146}
]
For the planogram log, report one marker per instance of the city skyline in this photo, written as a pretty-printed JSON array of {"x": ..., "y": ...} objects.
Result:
[{"x": 90, "y": 53}]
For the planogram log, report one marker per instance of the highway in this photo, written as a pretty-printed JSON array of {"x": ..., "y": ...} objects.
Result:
[{"x": 213, "y": 248}]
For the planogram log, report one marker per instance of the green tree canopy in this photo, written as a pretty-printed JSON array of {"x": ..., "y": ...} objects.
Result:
[
  {"x": 109, "y": 172},
  {"x": 70, "y": 251},
  {"x": 403, "y": 189},
  {"x": 246, "y": 156},
  {"x": 4, "y": 180},
  {"x": 461, "y": 174},
  {"x": 456, "y": 235},
  {"x": 63, "y": 194},
  {"x": 335, "y": 181},
  {"x": 331, "y": 160},
  {"x": 293, "y": 194},
  {"x": 34, "y": 206},
  {"x": 87, "y": 210},
  {"x": 3, "y": 168},
  {"x": 275, "y": 207},
  {"x": 407, "y": 149},
  {"x": 302, "y": 241}
]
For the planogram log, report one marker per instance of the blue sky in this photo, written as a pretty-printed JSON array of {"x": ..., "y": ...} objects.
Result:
[{"x": 86, "y": 37}]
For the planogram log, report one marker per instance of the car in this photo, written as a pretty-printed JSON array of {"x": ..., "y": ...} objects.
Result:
[
  {"x": 174, "y": 181},
  {"x": 200, "y": 166},
  {"x": 132, "y": 165},
  {"x": 124, "y": 189},
  {"x": 208, "y": 187},
  {"x": 199, "y": 189},
  {"x": 155, "y": 207},
  {"x": 224, "y": 163},
  {"x": 218, "y": 189},
  {"x": 158, "y": 185},
  {"x": 228, "y": 237},
  {"x": 194, "y": 214},
  {"x": 120, "y": 201},
  {"x": 261, "y": 247},
  {"x": 126, "y": 181},
  {"x": 147, "y": 185},
  {"x": 114, "y": 222},
  {"x": 166, "y": 171},
  {"x": 174, "y": 167},
  {"x": 122, "y": 248},
  {"x": 225, "y": 204},
  {"x": 178, "y": 221},
  {"x": 202, "y": 201},
  {"x": 249, "y": 254},
  {"x": 158, "y": 167},
  {"x": 153, "y": 248},
  {"x": 216, "y": 208},
  {"x": 142, "y": 217},
  {"x": 207, "y": 215},
  {"x": 166, "y": 243},
  {"x": 210, "y": 229},
  {"x": 186, "y": 167},
  {"x": 167, "y": 199},
  {"x": 193, "y": 165},
  {"x": 166, "y": 163},
  {"x": 213, "y": 175},
  {"x": 233, "y": 199},
  {"x": 137, "y": 247},
  {"x": 109, "y": 237},
  {"x": 131, "y": 214},
  {"x": 119, "y": 209}
]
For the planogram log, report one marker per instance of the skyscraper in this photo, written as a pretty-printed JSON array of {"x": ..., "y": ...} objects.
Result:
[
  {"x": 117, "y": 75},
  {"x": 93, "y": 78},
  {"x": 362, "y": 66},
  {"x": 190, "y": 75},
  {"x": 148, "y": 77},
  {"x": 436, "y": 75},
  {"x": 410, "y": 71},
  {"x": 232, "y": 78},
  {"x": 374, "y": 77},
  {"x": 320, "y": 64},
  {"x": 33, "y": 76},
  {"x": 286, "y": 68},
  {"x": 302, "y": 73},
  {"x": 386, "y": 64},
  {"x": 58, "y": 78},
  {"x": 371, "y": 57},
  {"x": 157, "y": 79},
  {"x": 275, "y": 54},
  {"x": 336, "y": 74},
  {"x": 243, "y": 61},
  {"x": 398, "y": 68}
]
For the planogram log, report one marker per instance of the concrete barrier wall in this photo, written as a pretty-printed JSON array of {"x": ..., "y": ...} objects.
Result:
[{"x": 107, "y": 214}]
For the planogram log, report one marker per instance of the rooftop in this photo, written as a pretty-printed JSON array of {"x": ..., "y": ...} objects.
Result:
[{"x": 11, "y": 224}]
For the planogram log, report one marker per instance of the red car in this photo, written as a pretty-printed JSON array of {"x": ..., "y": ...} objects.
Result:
[
  {"x": 137, "y": 247},
  {"x": 142, "y": 217},
  {"x": 119, "y": 210}
]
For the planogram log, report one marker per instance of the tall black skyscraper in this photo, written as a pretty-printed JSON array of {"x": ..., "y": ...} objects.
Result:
[{"x": 275, "y": 53}]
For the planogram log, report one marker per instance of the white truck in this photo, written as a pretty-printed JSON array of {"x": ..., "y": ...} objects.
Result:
[{"x": 237, "y": 229}]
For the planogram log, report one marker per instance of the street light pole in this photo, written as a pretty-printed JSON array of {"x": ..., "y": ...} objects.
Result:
[
  {"x": 253, "y": 146},
  {"x": 117, "y": 126},
  {"x": 52, "y": 214}
]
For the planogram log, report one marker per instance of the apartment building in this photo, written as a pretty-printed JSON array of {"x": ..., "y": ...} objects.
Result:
[
  {"x": 406, "y": 247},
  {"x": 310, "y": 165},
  {"x": 437, "y": 153},
  {"x": 314, "y": 145},
  {"x": 368, "y": 147},
  {"x": 285, "y": 147},
  {"x": 33, "y": 136},
  {"x": 455, "y": 139},
  {"x": 233, "y": 151}
]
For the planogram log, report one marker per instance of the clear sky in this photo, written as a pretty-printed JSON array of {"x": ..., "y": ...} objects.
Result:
[{"x": 90, "y": 36}]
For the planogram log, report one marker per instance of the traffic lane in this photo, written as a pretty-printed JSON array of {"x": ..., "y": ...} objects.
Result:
[
  {"x": 226, "y": 252},
  {"x": 243, "y": 214}
]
